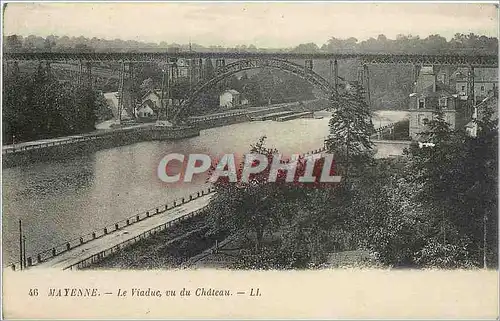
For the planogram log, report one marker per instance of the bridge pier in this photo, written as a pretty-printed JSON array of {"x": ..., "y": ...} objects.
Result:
[
  {"x": 88, "y": 73},
  {"x": 364, "y": 80},
  {"x": 308, "y": 65},
  {"x": 200, "y": 70},
  {"x": 220, "y": 63},
  {"x": 416, "y": 72},
  {"x": 335, "y": 76},
  {"x": 47, "y": 68},
  {"x": 121, "y": 88},
  {"x": 165, "y": 89},
  {"x": 79, "y": 80},
  {"x": 470, "y": 92},
  {"x": 366, "y": 73}
]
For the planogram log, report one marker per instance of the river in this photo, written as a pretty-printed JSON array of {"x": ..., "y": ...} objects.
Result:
[{"x": 63, "y": 199}]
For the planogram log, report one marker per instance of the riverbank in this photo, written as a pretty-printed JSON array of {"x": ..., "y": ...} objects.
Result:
[
  {"x": 189, "y": 246},
  {"x": 64, "y": 147},
  {"x": 168, "y": 249},
  {"x": 94, "y": 247}
]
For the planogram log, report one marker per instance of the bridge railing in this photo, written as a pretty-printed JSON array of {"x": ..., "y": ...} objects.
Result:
[
  {"x": 240, "y": 113},
  {"x": 379, "y": 131},
  {"x": 105, "y": 253},
  {"x": 68, "y": 140},
  {"x": 96, "y": 234}
]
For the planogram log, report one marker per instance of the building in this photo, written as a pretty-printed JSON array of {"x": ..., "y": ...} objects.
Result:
[
  {"x": 490, "y": 102},
  {"x": 230, "y": 99},
  {"x": 146, "y": 110},
  {"x": 150, "y": 104},
  {"x": 180, "y": 69},
  {"x": 431, "y": 94},
  {"x": 447, "y": 88},
  {"x": 485, "y": 83}
]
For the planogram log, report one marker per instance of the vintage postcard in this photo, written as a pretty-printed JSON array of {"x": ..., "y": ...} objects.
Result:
[{"x": 246, "y": 160}]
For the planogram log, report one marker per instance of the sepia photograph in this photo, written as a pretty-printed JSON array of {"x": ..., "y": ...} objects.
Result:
[{"x": 182, "y": 151}]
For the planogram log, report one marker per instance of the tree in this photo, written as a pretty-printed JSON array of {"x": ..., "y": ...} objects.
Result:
[
  {"x": 256, "y": 206},
  {"x": 307, "y": 48},
  {"x": 457, "y": 186},
  {"x": 180, "y": 90},
  {"x": 147, "y": 85},
  {"x": 350, "y": 130},
  {"x": 13, "y": 43},
  {"x": 246, "y": 207},
  {"x": 209, "y": 71},
  {"x": 37, "y": 105}
]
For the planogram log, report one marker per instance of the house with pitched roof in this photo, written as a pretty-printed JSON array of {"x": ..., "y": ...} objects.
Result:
[
  {"x": 150, "y": 105},
  {"x": 430, "y": 95},
  {"x": 230, "y": 99},
  {"x": 485, "y": 83},
  {"x": 446, "y": 88}
]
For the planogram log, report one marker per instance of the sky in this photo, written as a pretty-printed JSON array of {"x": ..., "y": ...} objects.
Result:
[{"x": 270, "y": 24}]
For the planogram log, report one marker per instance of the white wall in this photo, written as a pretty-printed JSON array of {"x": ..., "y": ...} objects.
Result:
[{"x": 226, "y": 100}]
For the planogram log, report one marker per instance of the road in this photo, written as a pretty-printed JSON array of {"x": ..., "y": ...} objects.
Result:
[
  {"x": 91, "y": 248},
  {"x": 112, "y": 99},
  {"x": 105, "y": 126},
  {"x": 65, "y": 139}
]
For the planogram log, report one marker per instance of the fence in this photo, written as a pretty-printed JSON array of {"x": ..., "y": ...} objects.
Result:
[
  {"x": 69, "y": 140},
  {"x": 241, "y": 113},
  {"x": 14, "y": 149},
  {"x": 379, "y": 131},
  {"x": 316, "y": 151},
  {"x": 101, "y": 255},
  {"x": 69, "y": 245}
]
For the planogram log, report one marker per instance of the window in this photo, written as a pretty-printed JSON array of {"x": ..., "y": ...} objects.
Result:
[
  {"x": 463, "y": 88},
  {"x": 482, "y": 88},
  {"x": 421, "y": 103},
  {"x": 422, "y": 119},
  {"x": 443, "y": 102}
]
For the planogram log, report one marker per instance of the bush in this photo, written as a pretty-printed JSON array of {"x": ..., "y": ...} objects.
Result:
[{"x": 438, "y": 255}]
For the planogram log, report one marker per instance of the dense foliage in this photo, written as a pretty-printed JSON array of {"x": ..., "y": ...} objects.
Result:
[
  {"x": 36, "y": 105},
  {"x": 433, "y": 44},
  {"x": 435, "y": 207}
]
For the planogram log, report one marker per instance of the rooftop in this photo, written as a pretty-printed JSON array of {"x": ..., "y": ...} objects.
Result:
[{"x": 232, "y": 91}]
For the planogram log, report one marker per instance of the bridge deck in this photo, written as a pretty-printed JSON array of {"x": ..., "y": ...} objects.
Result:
[
  {"x": 112, "y": 239},
  {"x": 369, "y": 58},
  {"x": 34, "y": 144}
]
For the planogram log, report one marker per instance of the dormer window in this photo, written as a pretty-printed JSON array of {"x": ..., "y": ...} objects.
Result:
[
  {"x": 443, "y": 102},
  {"x": 421, "y": 103}
]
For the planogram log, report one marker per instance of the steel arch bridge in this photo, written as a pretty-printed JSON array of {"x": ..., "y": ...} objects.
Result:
[{"x": 225, "y": 71}]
